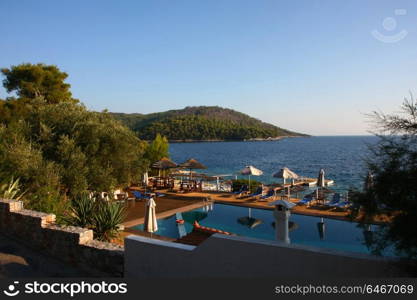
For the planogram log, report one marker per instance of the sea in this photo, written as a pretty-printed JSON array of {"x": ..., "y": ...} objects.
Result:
[{"x": 341, "y": 157}]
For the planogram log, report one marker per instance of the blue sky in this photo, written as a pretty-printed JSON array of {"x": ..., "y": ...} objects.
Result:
[{"x": 310, "y": 66}]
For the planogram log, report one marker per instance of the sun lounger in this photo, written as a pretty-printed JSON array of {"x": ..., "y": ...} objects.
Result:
[
  {"x": 138, "y": 195},
  {"x": 335, "y": 201},
  {"x": 306, "y": 200},
  {"x": 268, "y": 196},
  {"x": 257, "y": 193},
  {"x": 344, "y": 204},
  {"x": 243, "y": 190}
]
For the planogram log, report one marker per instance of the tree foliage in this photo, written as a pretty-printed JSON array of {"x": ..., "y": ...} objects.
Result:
[
  {"x": 201, "y": 123},
  {"x": 31, "y": 81},
  {"x": 157, "y": 149},
  {"x": 72, "y": 147},
  {"x": 238, "y": 183},
  {"x": 14, "y": 109},
  {"x": 59, "y": 149},
  {"x": 393, "y": 163}
]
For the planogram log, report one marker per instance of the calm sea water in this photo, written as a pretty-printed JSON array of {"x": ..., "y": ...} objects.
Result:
[{"x": 340, "y": 156}]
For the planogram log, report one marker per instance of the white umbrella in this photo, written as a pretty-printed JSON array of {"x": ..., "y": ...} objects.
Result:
[
  {"x": 251, "y": 170},
  {"x": 285, "y": 173},
  {"x": 145, "y": 178},
  {"x": 150, "y": 224}
]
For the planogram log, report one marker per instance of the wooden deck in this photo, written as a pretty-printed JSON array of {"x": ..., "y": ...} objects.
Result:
[{"x": 165, "y": 207}]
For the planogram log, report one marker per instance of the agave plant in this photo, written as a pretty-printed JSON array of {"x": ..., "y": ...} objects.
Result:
[
  {"x": 81, "y": 212},
  {"x": 107, "y": 219},
  {"x": 103, "y": 217},
  {"x": 11, "y": 190}
]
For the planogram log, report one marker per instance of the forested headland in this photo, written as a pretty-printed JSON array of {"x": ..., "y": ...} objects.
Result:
[{"x": 202, "y": 123}]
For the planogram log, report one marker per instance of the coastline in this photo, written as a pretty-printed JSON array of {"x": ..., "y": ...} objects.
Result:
[{"x": 270, "y": 139}]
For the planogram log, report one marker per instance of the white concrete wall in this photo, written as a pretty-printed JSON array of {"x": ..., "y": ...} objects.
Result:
[{"x": 230, "y": 256}]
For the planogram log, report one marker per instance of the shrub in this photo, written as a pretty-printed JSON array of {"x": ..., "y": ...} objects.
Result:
[
  {"x": 237, "y": 184},
  {"x": 103, "y": 217}
]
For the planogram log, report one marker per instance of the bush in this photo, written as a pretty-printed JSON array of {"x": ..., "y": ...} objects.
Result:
[
  {"x": 57, "y": 148},
  {"x": 393, "y": 163},
  {"x": 237, "y": 184},
  {"x": 63, "y": 150},
  {"x": 103, "y": 217}
]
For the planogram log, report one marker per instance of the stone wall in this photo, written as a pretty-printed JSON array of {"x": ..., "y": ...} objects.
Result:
[
  {"x": 73, "y": 245},
  {"x": 222, "y": 256}
]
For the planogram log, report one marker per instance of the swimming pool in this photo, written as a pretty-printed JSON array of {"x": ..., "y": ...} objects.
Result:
[{"x": 341, "y": 235}]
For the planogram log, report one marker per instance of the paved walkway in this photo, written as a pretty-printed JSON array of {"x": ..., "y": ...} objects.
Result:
[{"x": 18, "y": 261}]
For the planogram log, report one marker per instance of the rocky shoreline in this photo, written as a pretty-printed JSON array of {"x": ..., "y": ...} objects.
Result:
[{"x": 271, "y": 139}]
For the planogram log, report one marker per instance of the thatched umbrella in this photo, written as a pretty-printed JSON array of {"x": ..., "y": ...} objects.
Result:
[
  {"x": 297, "y": 189},
  {"x": 322, "y": 192},
  {"x": 192, "y": 164},
  {"x": 164, "y": 164}
]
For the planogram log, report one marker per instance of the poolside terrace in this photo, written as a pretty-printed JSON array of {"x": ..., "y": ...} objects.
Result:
[{"x": 174, "y": 202}]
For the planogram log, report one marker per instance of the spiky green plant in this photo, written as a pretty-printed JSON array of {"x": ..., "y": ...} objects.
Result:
[
  {"x": 103, "y": 217},
  {"x": 107, "y": 219},
  {"x": 11, "y": 190},
  {"x": 81, "y": 212}
]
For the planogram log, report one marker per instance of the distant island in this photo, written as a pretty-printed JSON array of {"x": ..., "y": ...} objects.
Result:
[{"x": 202, "y": 123}]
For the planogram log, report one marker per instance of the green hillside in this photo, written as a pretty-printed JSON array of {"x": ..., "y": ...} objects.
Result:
[{"x": 201, "y": 123}]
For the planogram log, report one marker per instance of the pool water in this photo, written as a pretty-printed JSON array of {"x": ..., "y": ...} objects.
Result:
[{"x": 341, "y": 235}]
